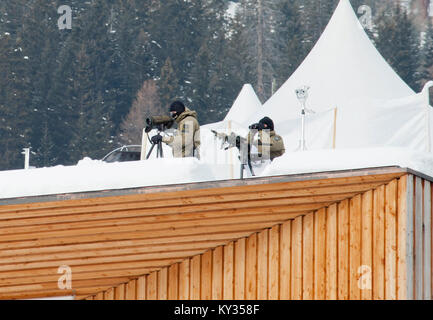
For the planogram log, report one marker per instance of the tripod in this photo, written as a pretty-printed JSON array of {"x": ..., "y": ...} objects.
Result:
[
  {"x": 245, "y": 159},
  {"x": 159, "y": 151}
]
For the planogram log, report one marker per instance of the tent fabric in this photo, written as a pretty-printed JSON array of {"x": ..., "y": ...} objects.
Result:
[
  {"x": 246, "y": 103},
  {"x": 344, "y": 66}
]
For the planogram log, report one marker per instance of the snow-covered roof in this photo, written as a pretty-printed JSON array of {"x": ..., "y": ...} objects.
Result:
[
  {"x": 344, "y": 66},
  {"x": 95, "y": 175}
]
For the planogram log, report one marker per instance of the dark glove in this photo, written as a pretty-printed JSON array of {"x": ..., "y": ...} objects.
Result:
[
  {"x": 238, "y": 142},
  {"x": 156, "y": 139}
]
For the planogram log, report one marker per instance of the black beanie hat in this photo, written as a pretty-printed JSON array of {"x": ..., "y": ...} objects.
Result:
[
  {"x": 268, "y": 122},
  {"x": 177, "y": 106}
]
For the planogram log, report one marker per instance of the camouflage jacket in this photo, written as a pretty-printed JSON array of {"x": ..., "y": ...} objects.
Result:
[{"x": 186, "y": 140}]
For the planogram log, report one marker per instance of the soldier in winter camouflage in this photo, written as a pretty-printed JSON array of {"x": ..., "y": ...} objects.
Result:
[
  {"x": 268, "y": 138},
  {"x": 186, "y": 140}
]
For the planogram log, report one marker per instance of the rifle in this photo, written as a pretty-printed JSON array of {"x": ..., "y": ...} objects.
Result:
[{"x": 244, "y": 147}]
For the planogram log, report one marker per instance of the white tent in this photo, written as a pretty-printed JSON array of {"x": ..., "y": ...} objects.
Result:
[
  {"x": 246, "y": 103},
  {"x": 359, "y": 101},
  {"x": 225, "y": 162},
  {"x": 343, "y": 67}
]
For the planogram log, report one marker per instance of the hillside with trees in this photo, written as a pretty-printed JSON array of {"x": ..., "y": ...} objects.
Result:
[{"x": 81, "y": 92}]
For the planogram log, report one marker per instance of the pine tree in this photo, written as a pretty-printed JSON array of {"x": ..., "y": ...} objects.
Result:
[
  {"x": 290, "y": 32},
  {"x": 210, "y": 85},
  {"x": 427, "y": 57},
  {"x": 315, "y": 17},
  {"x": 168, "y": 84},
  {"x": 15, "y": 126},
  {"x": 40, "y": 40},
  {"x": 146, "y": 104},
  {"x": 257, "y": 21},
  {"x": 398, "y": 41},
  {"x": 427, "y": 53}
]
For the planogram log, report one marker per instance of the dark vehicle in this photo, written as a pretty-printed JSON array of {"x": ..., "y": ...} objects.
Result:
[{"x": 124, "y": 154}]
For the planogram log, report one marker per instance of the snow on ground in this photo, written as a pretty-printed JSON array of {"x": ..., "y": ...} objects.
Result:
[{"x": 95, "y": 175}]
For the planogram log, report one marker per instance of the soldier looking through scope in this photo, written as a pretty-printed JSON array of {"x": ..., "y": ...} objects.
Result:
[
  {"x": 185, "y": 142},
  {"x": 268, "y": 144},
  {"x": 267, "y": 137}
]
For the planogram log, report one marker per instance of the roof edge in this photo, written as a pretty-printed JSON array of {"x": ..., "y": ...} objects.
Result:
[{"x": 214, "y": 184}]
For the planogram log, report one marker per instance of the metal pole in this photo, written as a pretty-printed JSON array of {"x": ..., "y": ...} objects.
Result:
[
  {"x": 303, "y": 128},
  {"x": 26, "y": 153}
]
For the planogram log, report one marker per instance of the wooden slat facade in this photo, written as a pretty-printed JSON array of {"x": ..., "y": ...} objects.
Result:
[{"x": 363, "y": 234}]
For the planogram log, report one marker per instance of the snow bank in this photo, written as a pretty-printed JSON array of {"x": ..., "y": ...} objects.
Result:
[
  {"x": 95, "y": 175},
  {"x": 348, "y": 159}
]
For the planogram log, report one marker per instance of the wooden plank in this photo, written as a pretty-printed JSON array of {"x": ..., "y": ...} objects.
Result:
[
  {"x": 251, "y": 268},
  {"x": 184, "y": 279},
  {"x": 109, "y": 294},
  {"x": 54, "y": 285},
  {"x": 195, "y": 269},
  {"x": 99, "y": 296},
  {"x": 142, "y": 234},
  {"x": 162, "y": 276},
  {"x": 262, "y": 265},
  {"x": 173, "y": 282},
  {"x": 141, "y": 288},
  {"x": 206, "y": 276},
  {"x": 308, "y": 257},
  {"x": 110, "y": 252},
  {"x": 402, "y": 233},
  {"x": 91, "y": 275},
  {"x": 152, "y": 286},
  {"x": 53, "y": 293},
  {"x": 285, "y": 260},
  {"x": 180, "y": 194},
  {"x": 343, "y": 250},
  {"x": 119, "y": 292},
  {"x": 147, "y": 267},
  {"x": 153, "y": 245},
  {"x": 296, "y": 268},
  {"x": 239, "y": 271},
  {"x": 427, "y": 240},
  {"x": 332, "y": 252},
  {"x": 405, "y": 238},
  {"x": 217, "y": 273},
  {"x": 355, "y": 225},
  {"x": 192, "y": 203},
  {"x": 366, "y": 246},
  {"x": 130, "y": 290},
  {"x": 100, "y": 260},
  {"x": 228, "y": 271},
  {"x": 100, "y": 219},
  {"x": 147, "y": 227},
  {"x": 320, "y": 254},
  {"x": 274, "y": 263},
  {"x": 391, "y": 240},
  {"x": 418, "y": 243},
  {"x": 379, "y": 244}
]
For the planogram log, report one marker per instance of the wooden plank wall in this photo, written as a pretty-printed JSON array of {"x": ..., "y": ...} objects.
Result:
[{"x": 370, "y": 246}]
